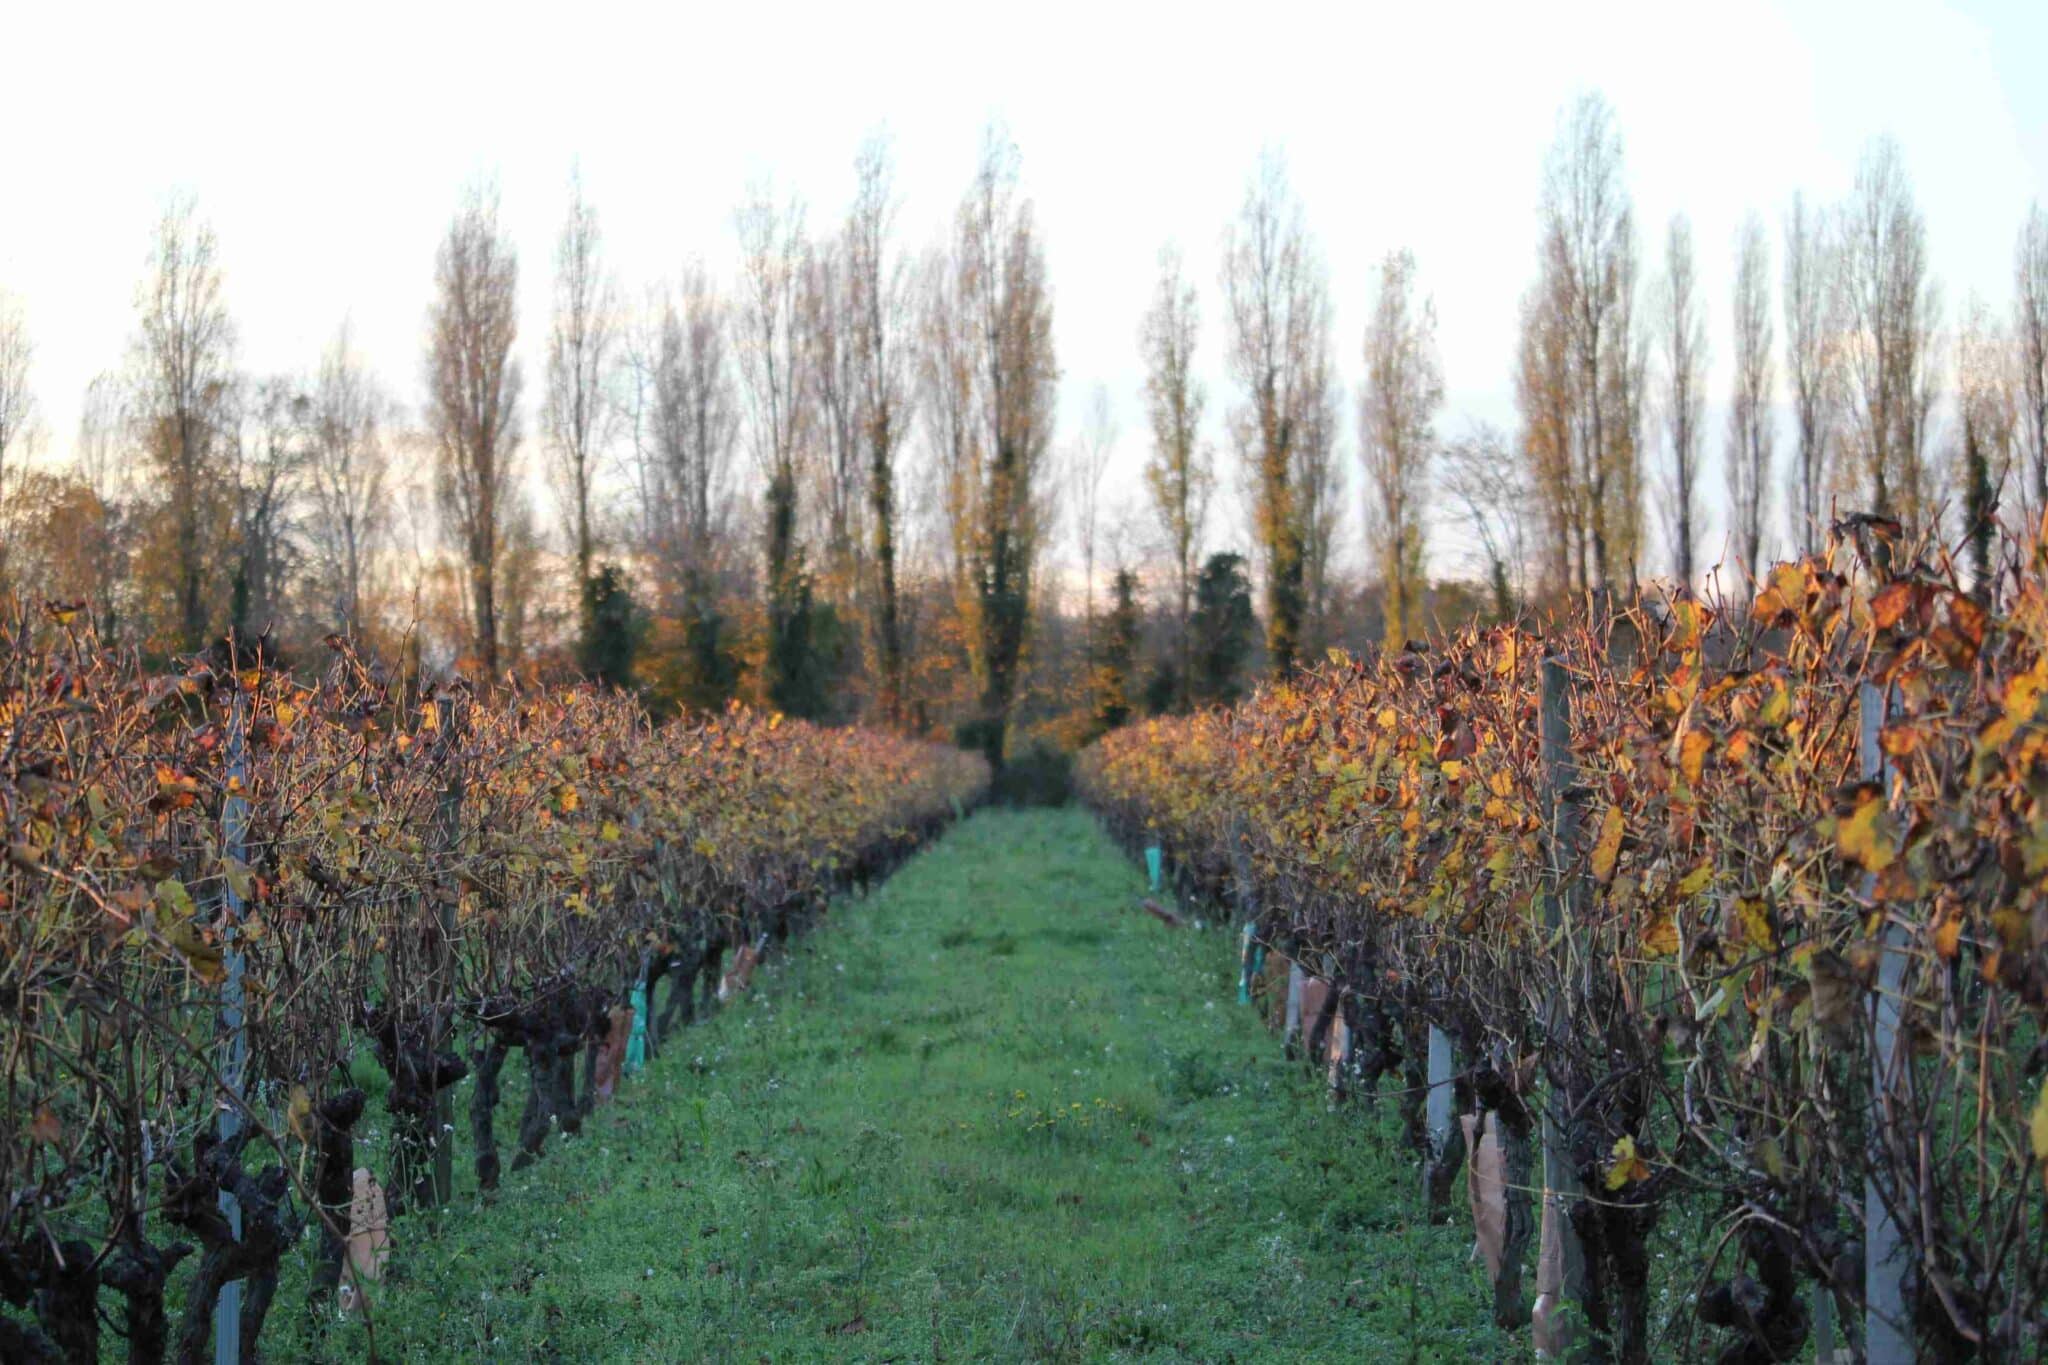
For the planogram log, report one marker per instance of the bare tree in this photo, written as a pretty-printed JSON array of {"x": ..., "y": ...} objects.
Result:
[
  {"x": 17, "y": 400},
  {"x": 347, "y": 466},
  {"x": 1007, "y": 307},
  {"x": 183, "y": 388},
  {"x": 876, "y": 290},
  {"x": 1318, "y": 481},
  {"x": 1404, "y": 388},
  {"x": 774, "y": 351},
  {"x": 268, "y": 457},
  {"x": 579, "y": 411},
  {"x": 102, "y": 420},
  {"x": 1278, "y": 314},
  {"x": 1626, "y": 398},
  {"x": 1892, "y": 314},
  {"x": 691, "y": 426},
  {"x": 1987, "y": 424},
  {"x": 1814, "y": 356},
  {"x": 2030, "y": 328},
  {"x": 1749, "y": 411},
  {"x": 1543, "y": 394},
  {"x": 1491, "y": 488},
  {"x": 473, "y": 385},
  {"x": 835, "y": 399},
  {"x": 1589, "y": 258},
  {"x": 1181, "y": 474},
  {"x": 1092, "y": 452},
  {"x": 1684, "y": 345}
]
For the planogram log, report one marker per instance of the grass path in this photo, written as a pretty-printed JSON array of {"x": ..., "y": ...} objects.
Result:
[{"x": 991, "y": 1112}]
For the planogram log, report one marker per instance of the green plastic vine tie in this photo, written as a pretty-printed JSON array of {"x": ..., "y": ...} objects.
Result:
[{"x": 636, "y": 1041}]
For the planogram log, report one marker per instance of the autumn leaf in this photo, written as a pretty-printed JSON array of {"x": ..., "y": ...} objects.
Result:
[
  {"x": 2037, "y": 1130},
  {"x": 207, "y": 960},
  {"x": 1628, "y": 1166},
  {"x": 1864, "y": 833},
  {"x": 298, "y": 1115},
  {"x": 1756, "y": 923},
  {"x": 1660, "y": 936},
  {"x": 1892, "y": 603},
  {"x": 1947, "y": 936},
  {"x": 45, "y": 1128},
  {"x": 1692, "y": 754},
  {"x": 173, "y": 896},
  {"x": 1784, "y": 595},
  {"x": 1608, "y": 848}
]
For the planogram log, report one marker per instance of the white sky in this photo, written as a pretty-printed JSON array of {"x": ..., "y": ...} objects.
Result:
[{"x": 327, "y": 145}]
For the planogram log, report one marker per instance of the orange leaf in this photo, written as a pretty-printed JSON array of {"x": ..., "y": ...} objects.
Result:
[
  {"x": 1692, "y": 754},
  {"x": 1608, "y": 849}
]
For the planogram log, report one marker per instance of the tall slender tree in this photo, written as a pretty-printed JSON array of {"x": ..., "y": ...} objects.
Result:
[
  {"x": 1278, "y": 322},
  {"x": 877, "y": 300},
  {"x": 1684, "y": 345},
  {"x": 1180, "y": 475},
  {"x": 347, "y": 468},
  {"x": 774, "y": 355},
  {"x": 473, "y": 386},
  {"x": 579, "y": 413},
  {"x": 17, "y": 399},
  {"x": 1987, "y": 423},
  {"x": 1397, "y": 409},
  {"x": 2030, "y": 328},
  {"x": 267, "y": 453},
  {"x": 1588, "y": 257},
  {"x": 1892, "y": 314},
  {"x": 1093, "y": 449},
  {"x": 1814, "y": 358},
  {"x": 1750, "y": 422},
  {"x": 835, "y": 418},
  {"x": 1006, "y": 302},
  {"x": 184, "y": 388}
]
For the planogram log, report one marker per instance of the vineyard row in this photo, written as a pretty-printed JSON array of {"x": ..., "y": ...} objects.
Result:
[
  {"x": 1738, "y": 919},
  {"x": 224, "y": 888}
]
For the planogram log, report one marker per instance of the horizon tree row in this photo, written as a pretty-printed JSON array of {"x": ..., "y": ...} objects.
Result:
[{"x": 832, "y": 481}]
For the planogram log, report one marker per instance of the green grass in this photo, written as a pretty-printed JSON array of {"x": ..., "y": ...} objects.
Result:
[{"x": 991, "y": 1112}]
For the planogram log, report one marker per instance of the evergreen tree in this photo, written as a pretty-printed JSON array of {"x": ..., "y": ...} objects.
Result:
[
  {"x": 1224, "y": 629},
  {"x": 613, "y": 629}
]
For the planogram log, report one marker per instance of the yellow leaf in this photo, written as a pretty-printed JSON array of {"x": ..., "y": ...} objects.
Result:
[
  {"x": 1756, "y": 925},
  {"x": 207, "y": 960},
  {"x": 1692, "y": 754},
  {"x": 1697, "y": 880},
  {"x": 1660, "y": 936},
  {"x": 1946, "y": 935},
  {"x": 298, "y": 1116},
  {"x": 1608, "y": 849},
  {"x": 1865, "y": 834},
  {"x": 1627, "y": 1166}
]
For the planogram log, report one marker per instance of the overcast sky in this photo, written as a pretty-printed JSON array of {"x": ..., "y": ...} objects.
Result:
[{"x": 328, "y": 146}]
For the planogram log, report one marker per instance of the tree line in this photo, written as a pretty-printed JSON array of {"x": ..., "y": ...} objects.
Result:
[{"x": 830, "y": 478}]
